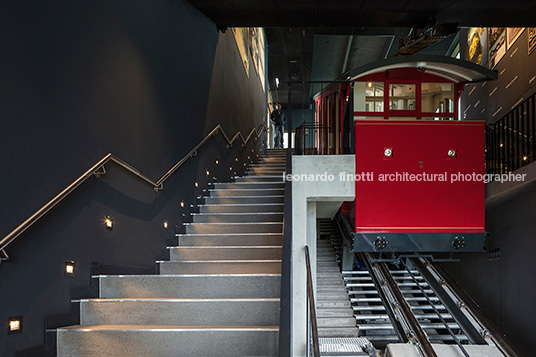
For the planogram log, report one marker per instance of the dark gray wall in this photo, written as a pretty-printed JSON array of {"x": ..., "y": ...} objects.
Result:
[
  {"x": 143, "y": 80},
  {"x": 502, "y": 281}
]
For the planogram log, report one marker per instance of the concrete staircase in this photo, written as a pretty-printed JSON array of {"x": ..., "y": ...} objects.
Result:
[
  {"x": 334, "y": 312},
  {"x": 217, "y": 295}
]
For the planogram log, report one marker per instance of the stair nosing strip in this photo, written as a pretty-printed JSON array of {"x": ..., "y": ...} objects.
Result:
[
  {"x": 226, "y": 247},
  {"x": 181, "y": 275}
]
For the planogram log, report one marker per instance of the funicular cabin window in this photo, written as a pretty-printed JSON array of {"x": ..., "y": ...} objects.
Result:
[
  {"x": 369, "y": 96},
  {"x": 437, "y": 97},
  {"x": 402, "y": 96}
]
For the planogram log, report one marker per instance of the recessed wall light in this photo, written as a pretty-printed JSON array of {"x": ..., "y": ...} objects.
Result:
[
  {"x": 69, "y": 268},
  {"x": 165, "y": 224},
  {"x": 14, "y": 325},
  {"x": 208, "y": 172},
  {"x": 182, "y": 203},
  {"x": 217, "y": 162},
  {"x": 109, "y": 222},
  {"x": 196, "y": 184}
]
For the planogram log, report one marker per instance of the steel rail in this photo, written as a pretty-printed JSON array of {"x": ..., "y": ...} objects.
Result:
[
  {"x": 312, "y": 306},
  {"x": 443, "y": 321},
  {"x": 423, "y": 343},
  {"x": 94, "y": 170}
]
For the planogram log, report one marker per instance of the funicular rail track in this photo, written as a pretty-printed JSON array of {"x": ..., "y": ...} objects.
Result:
[{"x": 409, "y": 298}]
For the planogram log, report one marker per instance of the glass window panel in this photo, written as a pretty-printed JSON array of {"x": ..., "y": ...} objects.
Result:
[
  {"x": 437, "y": 97},
  {"x": 437, "y": 118},
  {"x": 368, "y": 96},
  {"x": 402, "y": 96}
]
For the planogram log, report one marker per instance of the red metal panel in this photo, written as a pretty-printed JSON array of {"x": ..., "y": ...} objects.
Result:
[{"x": 419, "y": 147}]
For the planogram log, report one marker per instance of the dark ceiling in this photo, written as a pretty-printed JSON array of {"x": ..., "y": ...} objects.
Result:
[
  {"x": 363, "y": 13},
  {"x": 318, "y": 40}
]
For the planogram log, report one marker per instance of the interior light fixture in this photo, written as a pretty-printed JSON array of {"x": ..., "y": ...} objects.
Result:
[
  {"x": 14, "y": 325},
  {"x": 369, "y": 84},
  {"x": 525, "y": 158},
  {"x": 69, "y": 268},
  {"x": 109, "y": 222}
]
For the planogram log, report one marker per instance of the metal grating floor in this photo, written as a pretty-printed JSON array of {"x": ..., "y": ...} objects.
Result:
[{"x": 343, "y": 346}]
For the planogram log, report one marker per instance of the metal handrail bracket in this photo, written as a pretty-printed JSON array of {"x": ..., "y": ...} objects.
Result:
[{"x": 99, "y": 169}]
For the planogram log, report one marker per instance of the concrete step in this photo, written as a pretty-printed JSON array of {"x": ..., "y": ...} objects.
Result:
[
  {"x": 332, "y": 304},
  {"x": 249, "y": 185},
  {"x": 273, "y": 160},
  {"x": 237, "y": 217},
  {"x": 265, "y": 171},
  {"x": 335, "y": 313},
  {"x": 222, "y": 228},
  {"x": 338, "y": 332},
  {"x": 336, "y": 322},
  {"x": 190, "y": 286},
  {"x": 244, "y": 199},
  {"x": 221, "y": 267},
  {"x": 247, "y": 192},
  {"x": 225, "y": 253},
  {"x": 331, "y": 295},
  {"x": 241, "y": 208},
  {"x": 260, "y": 178},
  {"x": 150, "y": 340},
  {"x": 279, "y": 165},
  {"x": 243, "y": 239},
  {"x": 322, "y": 264},
  {"x": 190, "y": 312}
]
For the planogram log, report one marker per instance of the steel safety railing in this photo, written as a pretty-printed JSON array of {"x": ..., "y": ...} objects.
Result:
[
  {"x": 312, "y": 339},
  {"x": 314, "y": 139},
  {"x": 99, "y": 168},
  {"x": 510, "y": 142}
]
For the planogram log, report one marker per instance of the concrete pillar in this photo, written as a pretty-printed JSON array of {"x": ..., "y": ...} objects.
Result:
[{"x": 312, "y": 199}]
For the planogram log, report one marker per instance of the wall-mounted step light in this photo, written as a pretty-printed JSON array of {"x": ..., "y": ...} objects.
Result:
[
  {"x": 109, "y": 222},
  {"x": 208, "y": 172},
  {"x": 69, "y": 268},
  {"x": 217, "y": 162},
  {"x": 196, "y": 184},
  {"x": 182, "y": 203},
  {"x": 230, "y": 169},
  {"x": 165, "y": 224},
  {"x": 236, "y": 159},
  {"x": 14, "y": 325}
]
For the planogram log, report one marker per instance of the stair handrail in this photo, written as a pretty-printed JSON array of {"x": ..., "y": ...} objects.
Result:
[
  {"x": 312, "y": 307},
  {"x": 95, "y": 170}
]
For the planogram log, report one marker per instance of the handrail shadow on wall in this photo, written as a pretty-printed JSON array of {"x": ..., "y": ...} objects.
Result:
[{"x": 98, "y": 169}]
